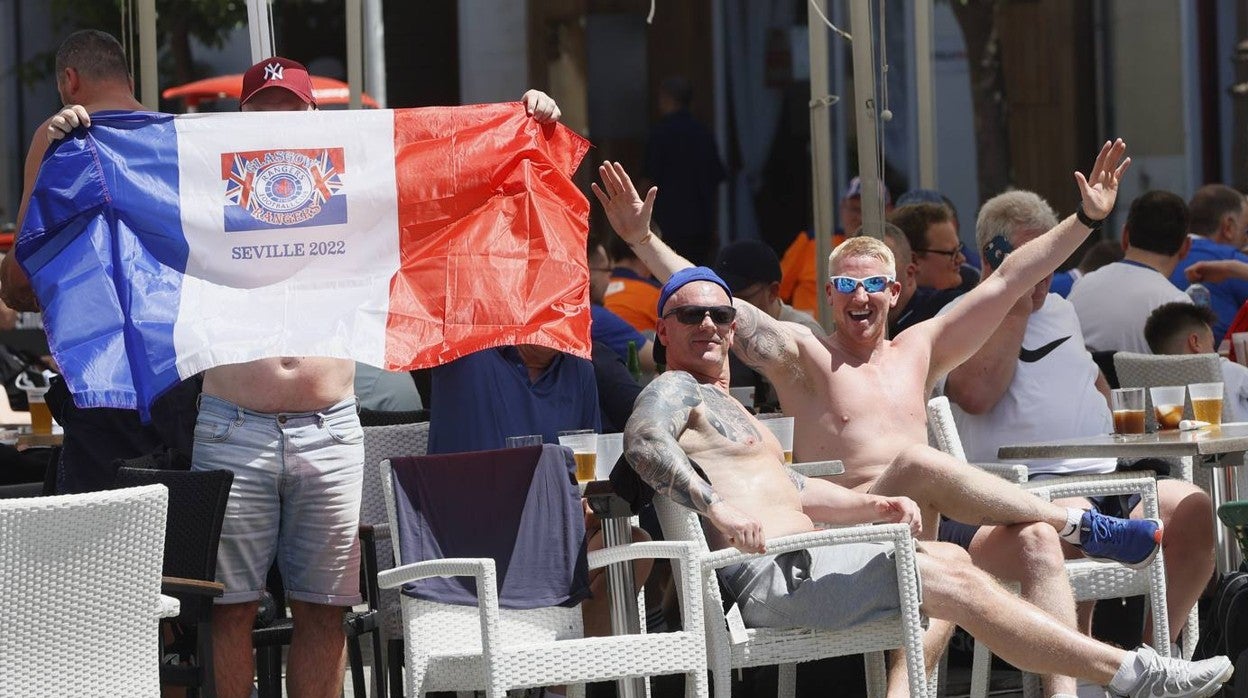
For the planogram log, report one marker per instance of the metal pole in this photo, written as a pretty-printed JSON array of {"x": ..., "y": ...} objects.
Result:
[
  {"x": 149, "y": 94},
  {"x": 355, "y": 53},
  {"x": 820, "y": 148},
  {"x": 375, "y": 51},
  {"x": 865, "y": 115},
  {"x": 258, "y": 29},
  {"x": 923, "y": 93}
]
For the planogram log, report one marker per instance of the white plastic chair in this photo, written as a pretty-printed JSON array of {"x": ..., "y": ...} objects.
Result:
[
  {"x": 733, "y": 646},
  {"x": 81, "y": 601},
  {"x": 382, "y": 443},
  {"x": 1089, "y": 579},
  {"x": 483, "y": 647}
]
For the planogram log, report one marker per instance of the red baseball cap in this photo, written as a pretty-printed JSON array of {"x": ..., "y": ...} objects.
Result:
[{"x": 277, "y": 72}]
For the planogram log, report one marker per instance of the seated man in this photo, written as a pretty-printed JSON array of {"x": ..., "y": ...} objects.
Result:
[
  {"x": 1186, "y": 328},
  {"x": 861, "y": 397},
  {"x": 752, "y": 496},
  {"x": 914, "y": 303},
  {"x": 1033, "y": 380}
]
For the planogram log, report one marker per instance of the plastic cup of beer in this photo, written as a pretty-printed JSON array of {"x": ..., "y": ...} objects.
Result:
[
  {"x": 40, "y": 416},
  {"x": 1128, "y": 406},
  {"x": 584, "y": 445},
  {"x": 610, "y": 448},
  {"x": 1206, "y": 402},
  {"x": 526, "y": 440},
  {"x": 782, "y": 428},
  {"x": 1168, "y": 405}
]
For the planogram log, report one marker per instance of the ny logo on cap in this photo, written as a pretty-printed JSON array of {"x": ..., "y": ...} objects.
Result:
[{"x": 273, "y": 71}]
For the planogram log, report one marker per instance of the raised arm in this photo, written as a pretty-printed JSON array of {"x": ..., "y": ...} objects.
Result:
[
  {"x": 652, "y": 447},
  {"x": 1214, "y": 271},
  {"x": 958, "y": 334},
  {"x": 763, "y": 343}
]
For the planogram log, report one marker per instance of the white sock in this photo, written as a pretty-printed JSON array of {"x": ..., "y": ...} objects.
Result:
[
  {"x": 1070, "y": 534},
  {"x": 1128, "y": 674}
]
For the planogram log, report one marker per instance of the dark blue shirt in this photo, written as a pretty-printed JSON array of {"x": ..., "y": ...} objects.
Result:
[
  {"x": 1062, "y": 282},
  {"x": 1227, "y": 295},
  {"x": 613, "y": 331},
  {"x": 485, "y": 397},
  {"x": 682, "y": 159}
]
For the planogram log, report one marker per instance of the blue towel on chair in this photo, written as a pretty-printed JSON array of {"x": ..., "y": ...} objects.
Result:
[{"x": 518, "y": 506}]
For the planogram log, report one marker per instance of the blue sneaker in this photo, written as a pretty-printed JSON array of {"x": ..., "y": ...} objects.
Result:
[{"x": 1133, "y": 542}]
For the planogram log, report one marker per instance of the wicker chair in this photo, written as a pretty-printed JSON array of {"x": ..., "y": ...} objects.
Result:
[
  {"x": 1090, "y": 579},
  {"x": 733, "y": 646},
  {"x": 463, "y": 648},
  {"x": 81, "y": 601},
  {"x": 382, "y": 443}
]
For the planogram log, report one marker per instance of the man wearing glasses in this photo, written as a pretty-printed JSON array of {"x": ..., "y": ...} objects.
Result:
[
  {"x": 748, "y": 496},
  {"x": 861, "y": 397},
  {"x": 933, "y": 239}
]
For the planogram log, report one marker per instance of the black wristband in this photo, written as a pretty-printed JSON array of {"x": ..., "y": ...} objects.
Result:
[{"x": 1084, "y": 219}]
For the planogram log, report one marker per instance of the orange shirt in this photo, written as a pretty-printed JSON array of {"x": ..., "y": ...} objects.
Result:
[
  {"x": 799, "y": 282},
  {"x": 634, "y": 299}
]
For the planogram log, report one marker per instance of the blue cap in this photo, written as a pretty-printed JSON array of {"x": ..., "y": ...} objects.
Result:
[{"x": 689, "y": 275}]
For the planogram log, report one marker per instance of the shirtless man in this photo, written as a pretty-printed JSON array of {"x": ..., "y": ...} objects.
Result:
[
  {"x": 753, "y": 497},
  {"x": 288, "y": 429},
  {"x": 861, "y": 397}
]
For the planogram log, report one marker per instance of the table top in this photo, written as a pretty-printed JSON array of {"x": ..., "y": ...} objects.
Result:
[{"x": 1213, "y": 440}]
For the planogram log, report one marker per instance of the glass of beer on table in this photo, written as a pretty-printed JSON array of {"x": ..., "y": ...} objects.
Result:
[
  {"x": 782, "y": 427},
  {"x": 1168, "y": 405},
  {"x": 584, "y": 445},
  {"x": 1206, "y": 402},
  {"x": 1128, "y": 407}
]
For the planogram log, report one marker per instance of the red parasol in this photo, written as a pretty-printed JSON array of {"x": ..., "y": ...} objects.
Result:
[{"x": 326, "y": 90}]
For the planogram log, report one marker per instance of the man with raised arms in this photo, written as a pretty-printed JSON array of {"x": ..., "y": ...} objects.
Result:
[
  {"x": 752, "y": 496},
  {"x": 860, "y": 397}
]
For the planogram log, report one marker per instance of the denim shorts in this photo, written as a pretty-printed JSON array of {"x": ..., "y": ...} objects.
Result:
[
  {"x": 829, "y": 588},
  {"x": 295, "y": 498}
]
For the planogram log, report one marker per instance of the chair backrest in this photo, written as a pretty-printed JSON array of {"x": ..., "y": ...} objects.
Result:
[
  {"x": 942, "y": 428},
  {"x": 382, "y": 443},
  {"x": 81, "y": 601},
  {"x": 1149, "y": 370},
  {"x": 197, "y": 501},
  {"x": 381, "y": 418}
]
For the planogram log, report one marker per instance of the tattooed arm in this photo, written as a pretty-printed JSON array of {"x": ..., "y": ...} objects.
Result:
[{"x": 652, "y": 447}]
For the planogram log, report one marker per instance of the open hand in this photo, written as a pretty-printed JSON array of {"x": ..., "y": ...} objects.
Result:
[
  {"x": 742, "y": 531},
  {"x": 66, "y": 120},
  {"x": 541, "y": 106},
  {"x": 627, "y": 212},
  {"x": 1100, "y": 189}
]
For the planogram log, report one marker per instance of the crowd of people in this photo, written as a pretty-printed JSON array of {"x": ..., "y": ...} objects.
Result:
[{"x": 913, "y": 314}]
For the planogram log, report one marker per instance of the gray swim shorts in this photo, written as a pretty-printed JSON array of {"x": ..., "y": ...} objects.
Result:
[
  {"x": 295, "y": 497},
  {"x": 829, "y": 588}
]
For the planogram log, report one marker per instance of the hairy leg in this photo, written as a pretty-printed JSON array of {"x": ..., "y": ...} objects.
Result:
[
  {"x": 942, "y": 484},
  {"x": 314, "y": 667},
  {"x": 1187, "y": 513},
  {"x": 1017, "y": 631},
  {"x": 232, "y": 653},
  {"x": 1030, "y": 554}
]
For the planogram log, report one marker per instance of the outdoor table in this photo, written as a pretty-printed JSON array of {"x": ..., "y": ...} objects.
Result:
[
  {"x": 617, "y": 529},
  {"x": 1218, "y": 447}
]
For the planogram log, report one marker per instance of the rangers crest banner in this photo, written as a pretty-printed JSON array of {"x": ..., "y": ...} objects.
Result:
[{"x": 160, "y": 246}]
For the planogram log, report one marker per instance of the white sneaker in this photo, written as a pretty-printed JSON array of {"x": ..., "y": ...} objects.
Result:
[{"x": 1167, "y": 676}]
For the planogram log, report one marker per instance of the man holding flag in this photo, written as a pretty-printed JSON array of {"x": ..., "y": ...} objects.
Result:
[{"x": 285, "y": 425}]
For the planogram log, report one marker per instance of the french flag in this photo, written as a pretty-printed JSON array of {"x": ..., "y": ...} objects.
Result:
[{"x": 160, "y": 246}]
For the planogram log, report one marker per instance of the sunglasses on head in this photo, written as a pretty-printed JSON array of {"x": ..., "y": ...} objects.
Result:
[
  {"x": 693, "y": 314},
  {"x": 871, "y": 284}
]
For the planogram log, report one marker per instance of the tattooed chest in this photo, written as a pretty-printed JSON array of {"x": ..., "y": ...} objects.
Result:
[{"x": 726, "y": 416}]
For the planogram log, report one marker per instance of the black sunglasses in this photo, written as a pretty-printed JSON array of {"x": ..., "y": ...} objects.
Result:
[{"x": 693, "y": 314}]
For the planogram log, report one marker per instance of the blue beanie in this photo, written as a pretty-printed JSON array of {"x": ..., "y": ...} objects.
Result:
[{"x": 685, "y": 276}]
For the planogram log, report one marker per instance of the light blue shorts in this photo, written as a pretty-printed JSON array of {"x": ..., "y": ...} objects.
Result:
[{"x": 296, "y": 498}]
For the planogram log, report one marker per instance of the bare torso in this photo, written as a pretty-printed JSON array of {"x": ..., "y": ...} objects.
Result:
[
  {"x": 285, "y": 384},
  {"x": 862, "y": 413},
  {"x": 745, "y": 465}
]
